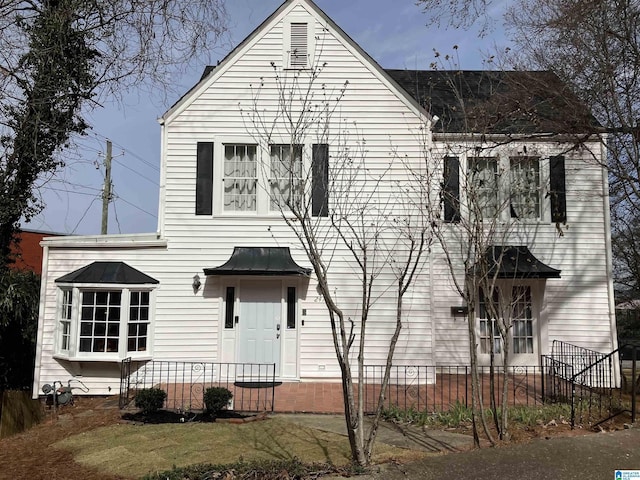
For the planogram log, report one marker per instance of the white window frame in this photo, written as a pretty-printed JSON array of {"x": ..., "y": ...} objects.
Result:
[
  {"x": 537, "y": 191},
  {"x": 504, "y": 186},
  {"x": 263, "y": 189},
  {"x": 294, "y": 180},
  {"x": 256, "y": 178},
  {"x": 286, "y": 43},
  {"x": 73, "y": 353},
  {"x": 536, "y": 288}
]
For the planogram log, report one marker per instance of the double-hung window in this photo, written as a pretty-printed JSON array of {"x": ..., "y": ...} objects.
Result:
[
  {"x": 286, "y": 176},
  {"x": 524, "y": 174},
  {"x": 483, "y": 195},
  {"x": 240, "y": 178},
  {"x": 65, "y": 319}
]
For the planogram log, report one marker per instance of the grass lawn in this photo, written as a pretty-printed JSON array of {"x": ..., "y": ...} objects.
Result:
[{"x": 135, "y": 450}]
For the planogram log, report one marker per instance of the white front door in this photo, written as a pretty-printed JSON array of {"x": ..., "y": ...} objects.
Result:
[{"x": 260, "y": 323}]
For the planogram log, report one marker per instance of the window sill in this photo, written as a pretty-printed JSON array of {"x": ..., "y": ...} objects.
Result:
[{"x": 101, "y": 358}]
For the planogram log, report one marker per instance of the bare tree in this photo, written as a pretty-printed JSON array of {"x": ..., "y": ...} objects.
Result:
[
  {"x": 61, "y": 58},
  {"x": 345, "y": 214},
  {"x": 594, "y": 49}
]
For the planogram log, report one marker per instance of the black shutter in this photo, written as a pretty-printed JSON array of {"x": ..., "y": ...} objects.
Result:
[
  {"x": 557, "y": 190},
  {"x": 451, "y": 189},
  {"x": 204, "y": 179},
  {"x": 320, "y": 180}
]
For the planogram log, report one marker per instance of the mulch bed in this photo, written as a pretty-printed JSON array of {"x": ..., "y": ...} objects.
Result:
[{"x": 168, "y": 416}]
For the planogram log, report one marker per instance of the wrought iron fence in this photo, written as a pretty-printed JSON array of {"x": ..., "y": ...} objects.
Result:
[
  {"x": 588, "y": 381},
  {"x": 252, "y": 384},
  {"x": 437, "y": 389}
]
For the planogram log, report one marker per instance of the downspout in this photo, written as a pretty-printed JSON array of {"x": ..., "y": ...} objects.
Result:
[
  {"x": 43, "y": 284},
  {"x": 163, "y": 179},
  {"x": 432, "y": 307},
  {"x": 609, "y": 260}
]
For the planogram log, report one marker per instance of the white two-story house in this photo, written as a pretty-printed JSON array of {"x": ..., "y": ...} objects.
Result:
[{"x": 224, "y": 279}]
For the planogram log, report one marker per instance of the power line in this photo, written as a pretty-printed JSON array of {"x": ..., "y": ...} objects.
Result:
[
  {"x": 130, "y": 152},
  {"x": 136, "y": 172},
  {"x": 116, "y": 196}
]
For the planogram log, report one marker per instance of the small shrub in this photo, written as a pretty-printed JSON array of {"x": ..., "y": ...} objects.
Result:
[
  {"x": 216, "y": 399},
  {"x": 150, "y": 400}
]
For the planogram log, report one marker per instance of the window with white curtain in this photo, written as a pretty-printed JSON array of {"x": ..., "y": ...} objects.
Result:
[
  {"x": 285, "y": 176},
  {"x": 240, "y": 178},
  {"x": 483, "y": 191},
  {"x": 524, "y": 173}
]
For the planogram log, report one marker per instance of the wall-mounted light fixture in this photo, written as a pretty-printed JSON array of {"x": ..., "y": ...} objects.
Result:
[{"x": 196, "y": 283}]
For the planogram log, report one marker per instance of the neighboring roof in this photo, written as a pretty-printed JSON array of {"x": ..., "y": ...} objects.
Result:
[
  {"x": 516, "y": 262},
  {"x": 259, "y": 261},
  {"x": 507, "y": 102},
  {"x": 107, "y": 272}
]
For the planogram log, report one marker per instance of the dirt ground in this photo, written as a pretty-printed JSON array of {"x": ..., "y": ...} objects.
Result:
[{"x": 30, "y": 455}]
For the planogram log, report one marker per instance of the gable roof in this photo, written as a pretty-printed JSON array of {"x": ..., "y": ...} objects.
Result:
[
  {"x": 507, "y": 102},
  {"x": 210, "y": 70}
]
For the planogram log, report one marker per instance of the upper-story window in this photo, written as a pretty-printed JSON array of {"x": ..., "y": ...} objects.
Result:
[
  {"x": 240, "y": 178},
  {"x": 499, "y": 187},
  {"x": 285, "y": 176},
  {"x": 482, "y": 195},
  {"x": 524, "y": 175}
]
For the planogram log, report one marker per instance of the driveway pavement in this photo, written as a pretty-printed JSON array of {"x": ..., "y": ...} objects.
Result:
[{"x": 594, "y": 456}]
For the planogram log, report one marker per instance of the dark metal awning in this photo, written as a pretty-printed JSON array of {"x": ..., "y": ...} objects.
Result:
[
  {"x": 259, "y": 261},
  {"x": 107, "y": 272},
  {"x": 516, "y": 262}
]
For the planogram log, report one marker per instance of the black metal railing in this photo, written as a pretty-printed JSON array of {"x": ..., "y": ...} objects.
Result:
[
  {"x": 589, "y": 382},
  {"x": 437, "y": 389},
  {"x": 252, "y": 384}
]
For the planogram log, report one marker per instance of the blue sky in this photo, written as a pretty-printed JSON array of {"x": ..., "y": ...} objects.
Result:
[{"x": 392, "y": 32}]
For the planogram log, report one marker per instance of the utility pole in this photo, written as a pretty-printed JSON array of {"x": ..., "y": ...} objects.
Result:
[{"x": 106, "y": 192}]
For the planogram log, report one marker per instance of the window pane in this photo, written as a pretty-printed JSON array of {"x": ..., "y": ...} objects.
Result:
[
  {"x": 229, "y": 303},
  {"x": 286, "y": 176},
  {"x": 138, "y": 321},
  {"x": 525, "y": 187},
  {"x": 240, "y": 177},
  {"x": 522, "y": 320},
  {"x": 100, "y": 324},
  {"x": 291, "y": 307},
  {"x": 483, "y": 192}
]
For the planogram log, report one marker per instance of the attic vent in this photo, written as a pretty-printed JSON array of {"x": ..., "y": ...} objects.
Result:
[{"x": 299, "y": 45}]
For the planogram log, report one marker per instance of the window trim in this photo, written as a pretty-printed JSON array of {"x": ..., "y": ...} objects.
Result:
[
  {"x": 536, "y": 288},
  {"x": 263, "y": 159},
  {"x": 74, "y": 353},
  {"x": 503, "y": 182}
]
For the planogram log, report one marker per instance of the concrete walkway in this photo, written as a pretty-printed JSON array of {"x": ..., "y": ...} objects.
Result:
[{"x": 594, "y": 456}]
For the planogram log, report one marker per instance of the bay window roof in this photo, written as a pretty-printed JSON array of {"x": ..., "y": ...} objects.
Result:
[{"x": 108, "y": 272}]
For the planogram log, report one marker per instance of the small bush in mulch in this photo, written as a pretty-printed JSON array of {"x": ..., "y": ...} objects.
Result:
[
  {"x": 216, "y": 399},
  {"x": 150, "y": 400},
  {"x": 263, "y": 470}
]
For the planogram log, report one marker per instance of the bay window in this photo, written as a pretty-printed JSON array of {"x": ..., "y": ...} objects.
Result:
[{"x": 104, "y": 323}]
